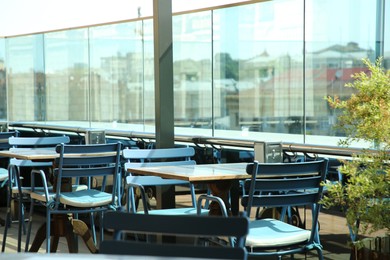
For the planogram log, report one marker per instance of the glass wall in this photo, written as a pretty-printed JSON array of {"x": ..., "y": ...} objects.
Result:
[
  {"x": 192, "y": 69},
  {"x": 122, "y": 81},
  {"x": 255, "y": 71},
  {"x": 339, "y": 34},
  {"x": 258, "y": 70},
  {"x": 3, "y": 88},
  {"x": 67, "y": 76},
  {"x": 386, "y": 31},
  {"x": 26, "y": 78}
]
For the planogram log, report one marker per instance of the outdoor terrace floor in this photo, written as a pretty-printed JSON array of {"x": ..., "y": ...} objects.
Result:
[{"x": 333, "y": 233}]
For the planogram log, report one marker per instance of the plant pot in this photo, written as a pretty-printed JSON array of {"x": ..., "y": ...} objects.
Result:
[{"x": 375, "y": 248}]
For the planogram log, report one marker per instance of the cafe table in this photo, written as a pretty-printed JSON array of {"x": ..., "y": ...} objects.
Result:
[
  {"x": 65, "y": 226},
  {"x": 222, "y": 179}
]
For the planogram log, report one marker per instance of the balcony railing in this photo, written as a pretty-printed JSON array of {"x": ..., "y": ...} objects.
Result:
[{"x": 214, "y": 142}]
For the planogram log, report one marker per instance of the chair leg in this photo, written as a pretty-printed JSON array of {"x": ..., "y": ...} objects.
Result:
[
  {"x": 6, "y": 226},
  {"x": 48, "y": 220},
  {"x": 319, "y": 252},
  {"x": 7, "y": 220},
  {"x": 20, "y": 222},
  {"x": 128, "y": 206},
  {"x": 119, "y": 191},
  {"x": 101, "y": 237},
  {"x": 93, "y": 227},
  {"x": 132, "y": 205},
  {"x": 29, "y": 225}
]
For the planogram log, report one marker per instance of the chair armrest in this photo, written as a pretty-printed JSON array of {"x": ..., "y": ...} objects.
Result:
[
  {"x": 130, "y": 187},
  {"x": 216, "y": 199},
  {"x": 42, "y": 174},
  {"x": 208, "y": 197}
]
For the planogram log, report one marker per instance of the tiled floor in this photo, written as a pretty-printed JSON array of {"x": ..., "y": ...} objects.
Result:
[{"x": 333, "y": 232}]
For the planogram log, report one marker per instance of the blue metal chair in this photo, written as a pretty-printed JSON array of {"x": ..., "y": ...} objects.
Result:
[
  {"x": 152, "y": 158},
  {"x": 283, "y": 185},
  {"x": 4, "y": 145},
  {"x": 19, "y": 190},
  {"x": 196, "y": 227},
  {"x": 74, "y": 162}
]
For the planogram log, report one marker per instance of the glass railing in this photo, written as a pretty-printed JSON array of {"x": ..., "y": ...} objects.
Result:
[{"x": 257, "y": 71}]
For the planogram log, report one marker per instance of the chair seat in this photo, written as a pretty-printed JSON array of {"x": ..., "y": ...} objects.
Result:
[
  {"x": 175, "y": 211},
  {"x": 39, "y": 194},
  {"x": 267, "y": 233},
  {"x": 3, "y": 174},
  {"x": 86, "y": 198},
  {"x": 27, "y": 190}
]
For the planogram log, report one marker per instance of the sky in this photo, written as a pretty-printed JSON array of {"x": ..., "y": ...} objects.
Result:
[{"x": 31, "y": 16}]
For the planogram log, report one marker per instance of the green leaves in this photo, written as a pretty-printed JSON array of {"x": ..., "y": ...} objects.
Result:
[
  {"x": 366, "y": 115},
  {"x": 365, "y": 192}
]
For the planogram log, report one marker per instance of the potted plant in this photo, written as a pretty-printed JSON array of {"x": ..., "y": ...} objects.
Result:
[{"x": 364, "y": 193}]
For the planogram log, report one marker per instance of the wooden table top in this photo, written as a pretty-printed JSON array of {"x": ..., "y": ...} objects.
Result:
[
  {"x": 42, "y": 154},
  {"x": 30, "y": 154},
  {"x": 197, "y": 173}
]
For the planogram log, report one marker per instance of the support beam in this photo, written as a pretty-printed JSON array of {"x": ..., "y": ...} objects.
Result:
[
  {"x": 163, "y": 87},
  {"x": 163, "y": 73},
  {"x": 380, "y": 25}
]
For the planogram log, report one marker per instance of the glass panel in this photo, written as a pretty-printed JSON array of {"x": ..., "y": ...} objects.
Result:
[
  {"x": 258, "y": 71},
  {"x": 386, "y": 49},
  {"x": 117, "y": 75},
  {"x": 192, "y": 72},
  {"x": 26, "y": 78},
  {"x": 122, "y": 76},
  {"x": 334, "y": 50},
  {"x": 3, "y": 90},
  {"x": 67, "y": 78},
  {"x": 148, "y": 74}
]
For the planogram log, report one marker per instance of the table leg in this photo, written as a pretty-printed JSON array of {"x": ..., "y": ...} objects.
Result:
[
  {"x": 54, "y": 243},
  {"x": 60, "y": 228},
  {"x": 165, "y": 197},
  {"x": 235, "y": 197},
  {"x": 63, "y": 226},
  {"x": 81, "y": 229},
  {"x": 220, "y": 189},
  {"x": 40, "y": 237}
]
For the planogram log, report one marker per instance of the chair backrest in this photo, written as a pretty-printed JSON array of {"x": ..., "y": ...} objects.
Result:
[
  {"x": 180, "y": 226},
  {"x": 158, "y": 157},
  {"x": 38, "y": 142},
  {"x": 4, "y": 136},
  {"x": 22, "y": 143},
  {"x": 136, "y": 158},
  {"x": 275, "y": 184},
  {"x": 285, "y": 184},
  {"x": 4, "y": 145},
  {"x": 97, "y": 160}
]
